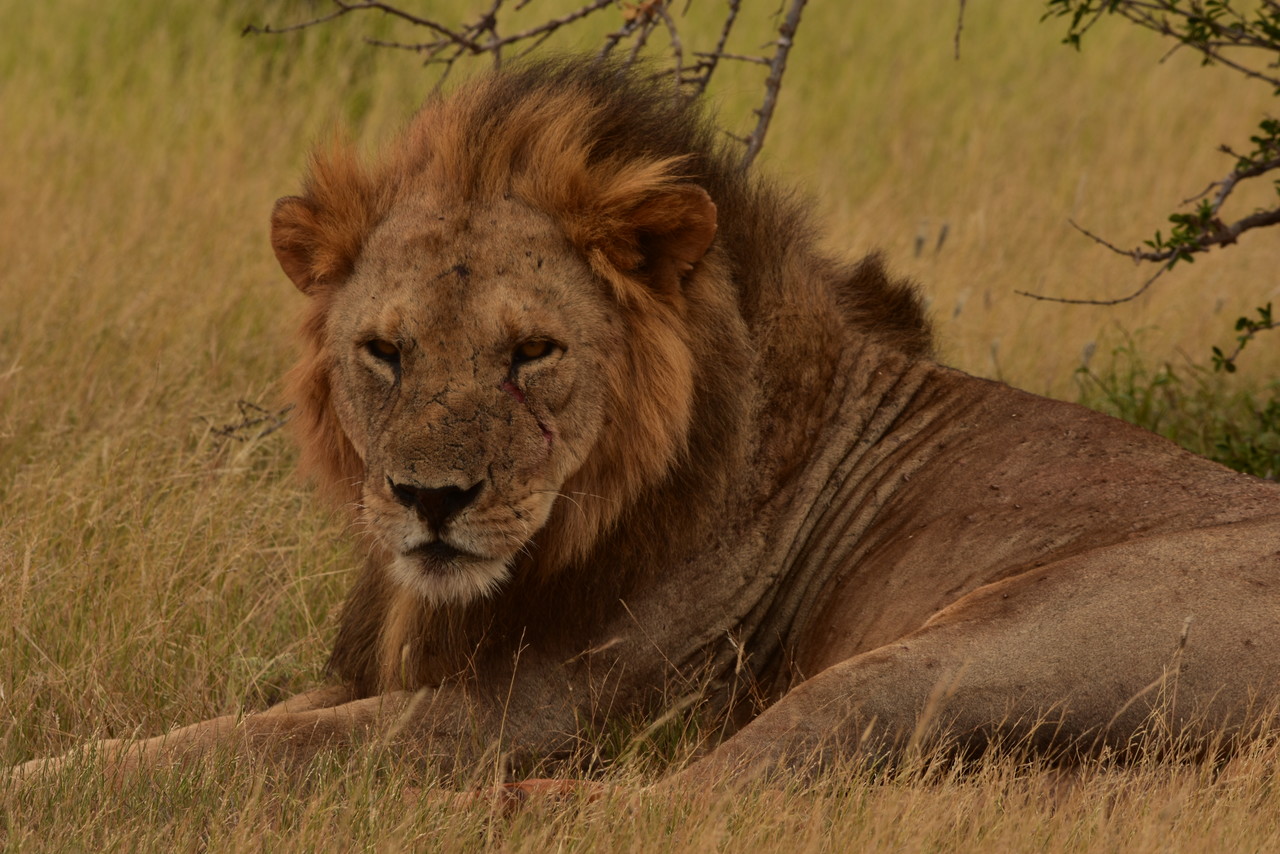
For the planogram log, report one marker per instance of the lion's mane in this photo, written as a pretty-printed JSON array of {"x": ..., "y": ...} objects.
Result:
[{"x": 603, "y": 152}]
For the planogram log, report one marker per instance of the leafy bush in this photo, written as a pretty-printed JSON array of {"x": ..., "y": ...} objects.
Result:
[{"x": 1189, "y": 404}]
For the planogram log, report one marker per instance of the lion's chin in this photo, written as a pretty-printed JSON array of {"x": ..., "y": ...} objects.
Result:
[{"x": 444, "y": 575}]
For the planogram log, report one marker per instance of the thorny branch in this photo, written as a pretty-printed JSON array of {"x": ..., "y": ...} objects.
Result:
[
  {"x": 786, "y": 35},
  {"x": 486, "y": 33}
]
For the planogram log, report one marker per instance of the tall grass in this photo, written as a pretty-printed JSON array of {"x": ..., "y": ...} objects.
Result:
[
  {"x": 1158, "y": 808},
  {"x": 158, "y": 568}
]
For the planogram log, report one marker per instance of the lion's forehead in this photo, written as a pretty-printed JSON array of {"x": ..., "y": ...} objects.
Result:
[
  {"x": 491, "y": 270},
  {"x": 420, "y": 234}
]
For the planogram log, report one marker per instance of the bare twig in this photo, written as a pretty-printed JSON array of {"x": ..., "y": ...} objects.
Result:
[
  {"x": 786, "y": 38},
  {"x": 1096, "y": 239},
  {"x": 482, "y": 35},
  {"x": 710, "y": 60},
  {"x": 270, "y": 30},
  {"x": 555, "y": 23},
  {"x": 345, "y": 8},
  {"x": 759, "y": 60},
  {"x": 629, "y": 26},
  {"x": 1117, "y": 301},
  {"x": 255, "y": 422},
  {"x": 677, "y": 47},
  {"x": 640, "y": 39},
  {"x": 1253, "y": 170}
]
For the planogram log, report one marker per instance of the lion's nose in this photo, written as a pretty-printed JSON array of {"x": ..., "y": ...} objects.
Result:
[{"x": 435, "y": 504}]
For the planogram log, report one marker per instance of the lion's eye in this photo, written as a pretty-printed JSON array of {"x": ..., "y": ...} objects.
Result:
[
  {"x": 532, "y": 350},
  {"x": 383, "y": 351}
]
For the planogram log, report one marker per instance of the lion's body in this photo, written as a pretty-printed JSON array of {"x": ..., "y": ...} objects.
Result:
[{"x": 619, "y": 433}]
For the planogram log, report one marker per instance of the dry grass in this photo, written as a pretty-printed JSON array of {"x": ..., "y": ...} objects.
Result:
[
  {"x": 155, "y": 571},
  {"x": 369, "y": 804}
]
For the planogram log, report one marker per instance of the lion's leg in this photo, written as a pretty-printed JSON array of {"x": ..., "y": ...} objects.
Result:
[
  {"x": 1092, "y": 650},
  {"x": 324, "y": 697},
  {"x": 871, "y": 705},
  {"x": 279, "y": 734}
]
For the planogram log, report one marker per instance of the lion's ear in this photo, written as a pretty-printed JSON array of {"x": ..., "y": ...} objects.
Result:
[
  {"x": 295, "y": 238},
  {"x": 679, "y": 225},
  {"x": 669, "y": 232}
]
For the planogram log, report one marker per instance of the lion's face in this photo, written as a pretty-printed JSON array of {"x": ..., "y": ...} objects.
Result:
[
  {"x": 497, "y": 351},
  {"x": 467, "y": 358}
]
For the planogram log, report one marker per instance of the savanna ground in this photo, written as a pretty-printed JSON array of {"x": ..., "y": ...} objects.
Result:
[{"x": 156, "y": 568}]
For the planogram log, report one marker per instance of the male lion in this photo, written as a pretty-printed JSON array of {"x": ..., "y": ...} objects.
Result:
[{"x": 614, "y": 430}]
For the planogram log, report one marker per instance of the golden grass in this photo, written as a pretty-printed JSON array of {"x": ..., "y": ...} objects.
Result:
[
  {"x": 156, "y": 572},
  {"x": 987, "y": 806}
]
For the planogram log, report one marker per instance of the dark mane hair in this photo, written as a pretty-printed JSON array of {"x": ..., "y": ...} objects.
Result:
[{"x": 636, "y": 115}]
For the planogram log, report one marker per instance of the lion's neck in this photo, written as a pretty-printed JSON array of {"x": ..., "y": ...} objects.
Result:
[{"x": 853, "y": 443}]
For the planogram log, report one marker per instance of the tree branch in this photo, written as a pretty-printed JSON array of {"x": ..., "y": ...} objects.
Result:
[
  {"x": 1211, "y": 27},
  {"x": 640, "y": 18},
  {"x": 786, "y": 37},
  {"x": 1117, "y": 301}
]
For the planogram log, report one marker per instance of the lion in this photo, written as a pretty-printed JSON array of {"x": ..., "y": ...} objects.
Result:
[{"x": 618, "y": 437}]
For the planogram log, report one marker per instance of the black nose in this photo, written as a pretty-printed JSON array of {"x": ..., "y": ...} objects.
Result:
[{"x": 436, "y": 504}]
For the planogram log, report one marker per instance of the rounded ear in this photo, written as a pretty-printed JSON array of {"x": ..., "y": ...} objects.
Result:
[
  {"x": 295, "y": 239},
  {"x": 653, "y": 239},
  {"x": 677, "y": 227},
  {"x": 674, "y": 228}
]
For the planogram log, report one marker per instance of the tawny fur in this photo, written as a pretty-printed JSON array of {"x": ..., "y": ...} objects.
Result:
[{"x": 617, "y": 435}]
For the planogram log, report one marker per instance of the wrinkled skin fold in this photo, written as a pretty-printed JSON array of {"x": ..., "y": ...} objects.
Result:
[{"x": 619, "y": 438}]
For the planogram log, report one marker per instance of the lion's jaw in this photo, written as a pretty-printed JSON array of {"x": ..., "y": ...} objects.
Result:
[
  {"x": 467, "y": 381},
  {"x": 448, "y": 568}
]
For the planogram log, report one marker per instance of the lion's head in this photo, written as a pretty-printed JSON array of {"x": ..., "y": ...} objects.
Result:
[
  {"x": 497, "y": 328},
  {"x": 549, "y": 343}
]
